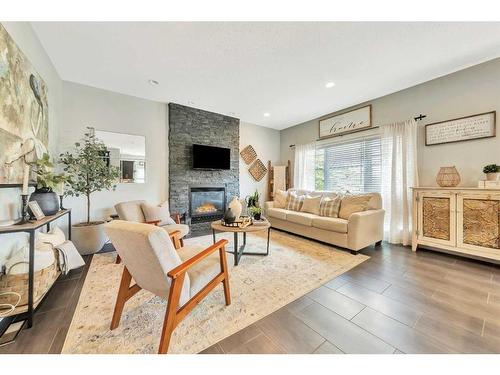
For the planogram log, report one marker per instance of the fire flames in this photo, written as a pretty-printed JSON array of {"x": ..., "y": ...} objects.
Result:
[{"x": 206, "y": 208}]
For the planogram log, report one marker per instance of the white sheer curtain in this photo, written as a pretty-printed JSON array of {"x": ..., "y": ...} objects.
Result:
[
  {"x": 399, "y": 173},
  {"x": 304, "y": 166}
]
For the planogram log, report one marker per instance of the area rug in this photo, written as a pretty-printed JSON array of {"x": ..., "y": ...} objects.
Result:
[{"x": 259, "y": 286}]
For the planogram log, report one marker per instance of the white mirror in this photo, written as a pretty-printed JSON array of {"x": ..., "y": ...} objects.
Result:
[{"x": 127, "y": 152}]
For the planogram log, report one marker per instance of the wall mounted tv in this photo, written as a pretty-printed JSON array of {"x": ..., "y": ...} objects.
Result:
[{"x": 209, "y": 157}]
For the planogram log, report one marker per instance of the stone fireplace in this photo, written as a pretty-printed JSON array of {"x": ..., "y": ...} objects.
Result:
[
  {"x": 206, "y": 203},
  {"x": 188, "y": 126}
]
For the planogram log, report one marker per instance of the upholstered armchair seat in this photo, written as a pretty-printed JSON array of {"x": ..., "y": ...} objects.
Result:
[
  {"x": 201, "y": 273},
  {"x": 132, "y": 211}
]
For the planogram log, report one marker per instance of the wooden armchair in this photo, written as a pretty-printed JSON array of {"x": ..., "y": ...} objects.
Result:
[{"x": 181, "y": 275}]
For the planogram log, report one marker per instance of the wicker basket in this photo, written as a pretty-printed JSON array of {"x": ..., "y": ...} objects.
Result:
[{"x": 43, "y": 280}]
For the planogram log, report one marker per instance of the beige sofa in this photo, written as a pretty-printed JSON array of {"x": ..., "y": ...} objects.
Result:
[{"x": 360, "y": 230}]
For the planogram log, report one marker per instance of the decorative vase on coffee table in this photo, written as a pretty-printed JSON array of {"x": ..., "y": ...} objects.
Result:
[{"x": 235, "y": 206}]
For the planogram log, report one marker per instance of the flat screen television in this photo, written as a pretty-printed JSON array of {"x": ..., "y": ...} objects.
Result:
[{"x": 210, "y": 157}]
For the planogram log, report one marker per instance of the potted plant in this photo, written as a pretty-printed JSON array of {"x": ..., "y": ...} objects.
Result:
[
  {"x": 492, "y": 172},
  {"x": 46, "y": 183},
  {"x": 256, "y": 212},
  {"x": 88, "y": 173}
]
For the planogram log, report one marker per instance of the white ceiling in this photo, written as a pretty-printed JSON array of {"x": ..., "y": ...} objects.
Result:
[{"x": 247, "y": 69}]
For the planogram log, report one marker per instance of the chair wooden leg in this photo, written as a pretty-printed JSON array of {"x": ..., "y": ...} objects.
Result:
[
  {"x": 122, "y": 297},
  {"x": 171, "y": 314},
  {"x": 181, "y": 240},
  {"x": 118, "y": 259},
  {"x": 225, "y": 282}
]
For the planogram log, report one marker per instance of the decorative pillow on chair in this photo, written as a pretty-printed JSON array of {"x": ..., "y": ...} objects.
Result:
[
  {"x": 353, "y": 203},
  {"x": 311, "y": 204},
  {"x": 294, "y": 202},
  {"x": 154, "y": 213},
  {"x": 280, "y": 199},
  {"x": 329, "y": 207}
]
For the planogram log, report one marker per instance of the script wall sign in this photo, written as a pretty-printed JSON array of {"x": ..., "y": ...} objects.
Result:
[
  {"x": 347, "y": 122},
  {"x": 461, "y": 129}
]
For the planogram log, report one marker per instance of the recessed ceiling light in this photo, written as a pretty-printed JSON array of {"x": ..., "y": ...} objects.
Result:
[
  {"x": 267, "y": 114},
  {"x": 329, "y": 85},
  {"x": 153, "y": 82}
]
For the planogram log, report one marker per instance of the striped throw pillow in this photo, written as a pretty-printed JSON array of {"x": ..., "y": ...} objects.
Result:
[
  {"x": 294, "y": 202},
  {"x": 330, "y": 207}
]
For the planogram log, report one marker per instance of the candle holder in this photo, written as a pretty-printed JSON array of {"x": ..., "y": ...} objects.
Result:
[
  {"x": 60, "y": 202},
  {"x": 25, "y": 217}
]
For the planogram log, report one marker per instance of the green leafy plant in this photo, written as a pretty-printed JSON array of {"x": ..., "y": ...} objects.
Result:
[
  {"x": 87, "y": 169},
  {"x": 253, "y": 200},
  {"x": 46, "y": 179},
  {"x": 491, "y": 168},
  {"x": 255, "y": 210}
]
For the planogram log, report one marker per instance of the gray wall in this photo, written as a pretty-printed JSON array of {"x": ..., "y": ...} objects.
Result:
[
  {"x": 466, "y": 92},
  {"x": 105, "y": 110},
  {"x": 266, "y": 143}
]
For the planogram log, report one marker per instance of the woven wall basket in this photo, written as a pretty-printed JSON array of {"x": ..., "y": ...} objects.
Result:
[
  {"x": 258, "y": 170},
  {"x": 248, "y": 154},
  {"x": 43, "y": 280}
]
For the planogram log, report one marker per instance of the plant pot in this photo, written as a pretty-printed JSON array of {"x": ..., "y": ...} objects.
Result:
[
  {"x": 492, "y": 176},
  {"x": 47, "y": 200},
  {"x": 89, "y": 239},
  {"x": 257, "y": 216}
]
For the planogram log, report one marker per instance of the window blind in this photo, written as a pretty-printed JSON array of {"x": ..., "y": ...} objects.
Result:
[{"x": 353, "y": 166}]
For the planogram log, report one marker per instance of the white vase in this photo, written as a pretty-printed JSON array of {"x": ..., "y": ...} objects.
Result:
[
  {"x": 235, "y": 206},
  {"x": 89, "y": 239}
]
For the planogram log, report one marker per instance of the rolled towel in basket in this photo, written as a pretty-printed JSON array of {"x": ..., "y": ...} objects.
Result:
[{"x": 69, "y": 257}]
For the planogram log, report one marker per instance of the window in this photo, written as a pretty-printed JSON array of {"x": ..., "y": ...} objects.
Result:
[{"x": 354, "y": 166}]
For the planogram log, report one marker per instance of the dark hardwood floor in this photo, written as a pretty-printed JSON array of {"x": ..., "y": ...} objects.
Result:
[{"x": 395, "y": 302}]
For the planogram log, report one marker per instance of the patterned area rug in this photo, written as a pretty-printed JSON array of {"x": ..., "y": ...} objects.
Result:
[{"x": 259, "y": 286}]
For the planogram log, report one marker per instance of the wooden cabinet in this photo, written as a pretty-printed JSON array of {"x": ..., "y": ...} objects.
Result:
[{"x": 464, "y": 221}]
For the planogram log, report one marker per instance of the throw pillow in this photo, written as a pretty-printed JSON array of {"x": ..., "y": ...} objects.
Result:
[
  {"x": 55, "y": 237},
  {"x": 294, "y": 202},
  {"x": 329, "y": 207},
  {"x": 353, "y": 203},
  {"x": 154, "y": 213},
  {"x": 280, "y": 199},
  {"x": 311, "y": 204}
]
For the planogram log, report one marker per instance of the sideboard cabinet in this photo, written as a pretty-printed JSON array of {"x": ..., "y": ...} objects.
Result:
[{"x": 465, "y": 221}]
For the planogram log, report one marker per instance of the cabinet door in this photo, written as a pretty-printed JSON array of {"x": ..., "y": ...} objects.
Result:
[
  {"x": 478, "y": 222},
  {"x": 436, "y": 218}
]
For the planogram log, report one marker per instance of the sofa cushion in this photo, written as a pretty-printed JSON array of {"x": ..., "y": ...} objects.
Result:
[
  {"x": 353, "y": 203},
  {"x": 294, "y": 202},
  {"x": 330, "y": 223},
  {"x": 311, "y": 204},
  {"x": 302, "y": 218},
  {"x": 278, "y": 213},
  {"x": 280, "y": 199},
  {"x": 329, "y": 207}
]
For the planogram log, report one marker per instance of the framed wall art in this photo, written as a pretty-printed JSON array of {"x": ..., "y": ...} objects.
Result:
[
  {"x": 24, "y": 113},
  {"x": 347, "y": 122},
  {"x": 461, "y": 129}
]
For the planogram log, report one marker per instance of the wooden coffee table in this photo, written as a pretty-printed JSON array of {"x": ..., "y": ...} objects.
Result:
[{"x": 238, "y": 251}]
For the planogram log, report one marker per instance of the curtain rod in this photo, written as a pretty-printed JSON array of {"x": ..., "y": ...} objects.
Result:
[{"x": 420, "y": 117}]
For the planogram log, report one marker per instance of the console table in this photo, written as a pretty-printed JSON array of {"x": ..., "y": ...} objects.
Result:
[
  {"x": 463, "y": 221},
  {"x": 31, "y": 228}
]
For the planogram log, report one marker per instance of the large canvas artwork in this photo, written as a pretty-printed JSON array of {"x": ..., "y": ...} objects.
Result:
[{"x": 24, "y": 122}]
